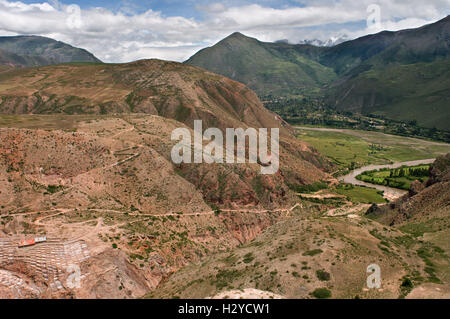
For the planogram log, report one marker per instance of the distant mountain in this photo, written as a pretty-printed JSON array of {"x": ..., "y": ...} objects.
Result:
[
  {"x": 26, "y": 51},
  {"x": 327, "y": 43},
  {"x": 401, "y": 75},
  {"x": 424, "y": 44},
  {"x": 14, "y": 60},
  {"x": 268, "y": 68},
  {"x": 418, "y": 91}
]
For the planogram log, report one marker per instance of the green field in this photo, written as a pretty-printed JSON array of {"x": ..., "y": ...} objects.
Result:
[
  {"x": 350, "y": 149},
  {"x": 401, "y": 177},
  {"x": 360, "y": 194}
]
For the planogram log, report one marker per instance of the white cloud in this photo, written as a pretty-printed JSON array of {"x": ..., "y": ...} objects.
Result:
[
  {"x": 213, "y": 7},
  {"x": 125, "y": 35}
]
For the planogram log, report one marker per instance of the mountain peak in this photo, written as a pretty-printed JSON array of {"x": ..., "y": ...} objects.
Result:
[
  {"x": 326, "y": 43},
  {"x": 32, "y": 50},
  {"x": 27, "y": 38},
  {"x": 236, "y": 35}
]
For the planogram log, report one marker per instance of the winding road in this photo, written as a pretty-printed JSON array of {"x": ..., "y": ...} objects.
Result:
[{"x": 389, "y": 192}]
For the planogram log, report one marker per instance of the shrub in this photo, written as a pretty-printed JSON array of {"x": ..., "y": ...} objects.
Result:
[
  {"x": 52, "y": 189},
  {"x": 312, "y": 188},
  {"x": 312, "y": 252},
  {"x": 322, "y": 275},
  {"x": 406, "y": 287},
  {"x": 322, "y": 293},
  {"x": 248, "y": 258},
  {"x": 225, "y": 277}
]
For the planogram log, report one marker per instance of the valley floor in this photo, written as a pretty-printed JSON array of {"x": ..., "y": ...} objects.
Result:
[{"x": 351, "y": 149}]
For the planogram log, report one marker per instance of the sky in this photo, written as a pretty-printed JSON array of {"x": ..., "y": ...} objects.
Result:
[{"x": 128, "y": 30}]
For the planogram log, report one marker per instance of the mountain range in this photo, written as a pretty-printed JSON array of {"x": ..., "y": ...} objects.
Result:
[
  {"x": 85, "y": 160},
  {"x": 268, "y": 68},
  {"x": 401, "y": 75},
  {"x": 325, "y": 43}
]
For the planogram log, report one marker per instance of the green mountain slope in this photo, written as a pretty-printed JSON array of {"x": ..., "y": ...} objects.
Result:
[
  {"x": 424, "y": 44},
  {"x": 26, "y": 51},
  {"x": 410, "y": 92},
  {"x": 267, "y": 68},
  {"x": 14, "y": 60},
  {"x": 402, "y": 75}
]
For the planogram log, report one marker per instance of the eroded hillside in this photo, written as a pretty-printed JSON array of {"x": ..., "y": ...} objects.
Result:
[
  {"x": 106, "y": 182},
  {"x": 156, "y": 87},
  {"x": 109, "y": 184}
]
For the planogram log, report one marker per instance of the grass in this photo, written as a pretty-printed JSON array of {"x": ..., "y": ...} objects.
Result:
[
  {"x": 401, "y": 177},
  {"x": 350, "y": 149},
  {"x": 224, "y": 277},
  {"x": 280, "y": 267},
  {"x": 312, "y": 188},
  {"x": 342, "y": 149},
  {"x": 418, "y": 229},
  {"x": 360, "y": 194}
]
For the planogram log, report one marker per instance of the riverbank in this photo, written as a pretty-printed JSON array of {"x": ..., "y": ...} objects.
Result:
[
  {"x": 349, "y": 149},
  {"x": 370, "y": 134},
  {"x": 389, "y": 192}
]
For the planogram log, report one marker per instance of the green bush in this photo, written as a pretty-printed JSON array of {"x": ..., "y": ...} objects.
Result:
[
  {"x": 322, "y": 275},
  {"x": 322, "y": 293},
  {"x": 407, "y": 283},
  {"x": 248, "y": 258},
  {"x": 225, "y": 277},
  {"x": 312, "y": 188},
  {"x": 312, "y": 252}
]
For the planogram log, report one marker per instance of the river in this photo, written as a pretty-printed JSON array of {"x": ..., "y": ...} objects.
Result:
[{"x": 389, "y": 192}]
